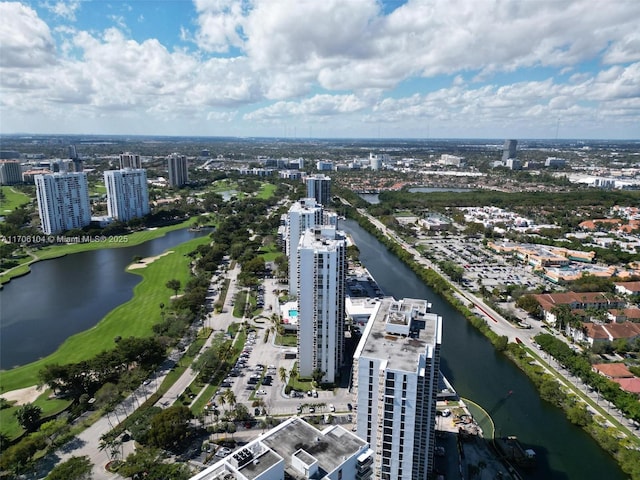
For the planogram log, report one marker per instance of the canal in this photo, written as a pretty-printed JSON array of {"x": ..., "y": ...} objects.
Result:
[
  {"x": 67, "y": 295},
  {"x": 479, "y": 373}
]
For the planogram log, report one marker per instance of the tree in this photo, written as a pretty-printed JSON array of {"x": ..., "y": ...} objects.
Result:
[
  {"x": 174, "y": 285},
  {"x": 170, "y": 426},
  {"x": 76, "y": 468},
  {"x": 579, "y": 415},
  {"x": 529, "y": 304},
  {"x": 148, "y": 463},
  {"x": 29, "y": 416},
  {"x": 54, "y": 428},
  {"x": 317, "y": 375},
  {"x": 551, "y": 392},
  {"x": 282, "y": 372}
]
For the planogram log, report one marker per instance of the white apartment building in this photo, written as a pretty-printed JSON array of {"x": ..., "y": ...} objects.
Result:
[
  {"x": 127, "y": 193},
  {"x": 304, "y": 214},
  {"x": 10, "y": 172},
  {"x": 130, "y": 160},
  {"x": 296, "y": 450},
  {"x": 63, "y": 201},
  {"x": 396, "y": 371},
  {"x": 319, "y": 187},
  {"x": 321, "y": 290},
  {"x": 178, "y": 172}
]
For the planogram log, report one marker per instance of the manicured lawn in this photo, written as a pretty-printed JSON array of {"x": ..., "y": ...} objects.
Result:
[
  {"x": 10, "y": 426},
  {"x": 12, "y": 199},
  {"x": 270, "y": 252},
  {"x": 266, "y": 191},
  {"x": 287, "y": 340},
  {"x": 133, "y": 318}
]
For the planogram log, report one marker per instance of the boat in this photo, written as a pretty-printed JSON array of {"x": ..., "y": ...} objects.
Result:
[{"x": 513, "y": 451}]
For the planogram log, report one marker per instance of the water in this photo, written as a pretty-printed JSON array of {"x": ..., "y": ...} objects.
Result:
[
  {"x": 481, "y": 374},
  {"x": 374, "y": 199},
  {"x": 67, "y": 295}
]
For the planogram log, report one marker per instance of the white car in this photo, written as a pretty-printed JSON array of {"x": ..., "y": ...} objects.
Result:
[
  {"x": 332, "y": 408},
  {"x": 261, "y": 392}
]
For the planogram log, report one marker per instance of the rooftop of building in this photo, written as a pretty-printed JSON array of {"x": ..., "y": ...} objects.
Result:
[
  {"x": 293, "y": 438},
  {"x": 381, "y": 340},
  {"x": 613, "y": 370},
  {"x": 324, "y": 237},
  {"x": 330, "y": 447}
]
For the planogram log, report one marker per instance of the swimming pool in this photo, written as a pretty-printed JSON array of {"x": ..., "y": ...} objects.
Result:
[{"x": 293, "y": 313}]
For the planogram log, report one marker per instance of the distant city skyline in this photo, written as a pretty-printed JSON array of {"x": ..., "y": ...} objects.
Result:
[{"x": 322, "y": 69}]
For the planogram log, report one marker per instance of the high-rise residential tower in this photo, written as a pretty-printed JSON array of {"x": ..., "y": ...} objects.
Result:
[
  {"x": 178, "y": 173},
  {"x": 10, "y": 172},
  {"x": 509, "y": 149},
  {"x": 319, "y": 187},
  {"x": 130, "y": 160},
  {"x": 321, "y": 291},
  {"x": 303, "y": 214},
  {"x": 396, "y": 372},
  {"x": 127, "y": 193},
  {"x": 63, "y": 201}
]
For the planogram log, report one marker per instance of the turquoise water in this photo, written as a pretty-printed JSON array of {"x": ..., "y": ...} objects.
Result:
[{"x": 293, "y": 313}]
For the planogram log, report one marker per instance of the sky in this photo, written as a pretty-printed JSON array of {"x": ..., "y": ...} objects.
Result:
[{"x": 322, "y": 68}]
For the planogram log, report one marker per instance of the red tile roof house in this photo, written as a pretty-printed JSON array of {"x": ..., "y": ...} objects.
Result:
[
  {"x": 577, "y": 301},
  {"x": 631, "y": 385},
  {"x": 612, "y": 370},
  {"x": 596, "y": 333},
  {"x": 628, "y": 288}
]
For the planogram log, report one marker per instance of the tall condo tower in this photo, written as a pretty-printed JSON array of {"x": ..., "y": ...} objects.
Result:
[
  {"x": 178, "y": 173},
  {"x": 127, "y": 194},
  {"x": 396, "y": 372},
  {"x": 63, "y": 201},
  {"x": 321, "y": 290},
  {"x": 130, "y": 160},
  {"x": 509, "y": 149},
  {"x": 319, "y": 187},
  {"x": 304, "y": 214},
  {"x": 10, "y": 172}
]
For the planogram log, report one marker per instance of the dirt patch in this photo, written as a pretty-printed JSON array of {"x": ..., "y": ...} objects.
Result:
[
  {"x": 23, "y": 395},
  {"x": 147, "y": 261}
]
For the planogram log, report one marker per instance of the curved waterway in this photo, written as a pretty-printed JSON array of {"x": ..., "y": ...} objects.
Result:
[
  {"x": 67, "y": 295},
  {"x": 479, "y": 373}
]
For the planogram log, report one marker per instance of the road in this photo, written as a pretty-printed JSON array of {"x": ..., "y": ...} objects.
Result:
[
  {"x": 502, "y": 326},
  {"x": 88, "y": 441}
]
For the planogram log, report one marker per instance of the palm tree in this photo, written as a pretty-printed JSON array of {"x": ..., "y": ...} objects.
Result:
[
  {"x": 282, "y": 372},
  {"x": 293, "y": 373},
  {"x": 230, "y": 397}
]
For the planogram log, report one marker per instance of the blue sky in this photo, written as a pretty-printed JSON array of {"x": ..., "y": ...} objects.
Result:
[{"x": 335, "y": 68}]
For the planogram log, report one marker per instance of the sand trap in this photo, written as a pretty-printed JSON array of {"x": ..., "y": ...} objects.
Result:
[
  {"x": 147, "y": 261},
  {"x": 23, "y": 395}
]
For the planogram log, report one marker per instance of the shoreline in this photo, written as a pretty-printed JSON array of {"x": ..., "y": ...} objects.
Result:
[
  {"x": 449, "y": 293},
  {"x": 57, "y": 251},
  {"x": 26, "y": 375}
]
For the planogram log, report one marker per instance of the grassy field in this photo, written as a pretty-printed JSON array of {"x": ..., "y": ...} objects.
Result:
[
  {"x": 266, "y": 191},
  {"x": 270, "y": 252},
  {"x": 60, "y": 250},
  {"x": 10, "y": 426},
  {"x": 133, "y": 318},
  {"x": 12, "y": 199}
]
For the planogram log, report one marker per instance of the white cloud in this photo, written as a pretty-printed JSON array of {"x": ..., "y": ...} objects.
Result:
[
  {"x": 317, "y": 106},
  {"x": 26, "y": 40},
  {"x": 66, "y": 9},
  {"x": 334, "y": 61},
  {"x": 219, "y": 22}
]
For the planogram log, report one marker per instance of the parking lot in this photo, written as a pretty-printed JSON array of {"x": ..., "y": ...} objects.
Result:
[{"x": 482, "y": 267}]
